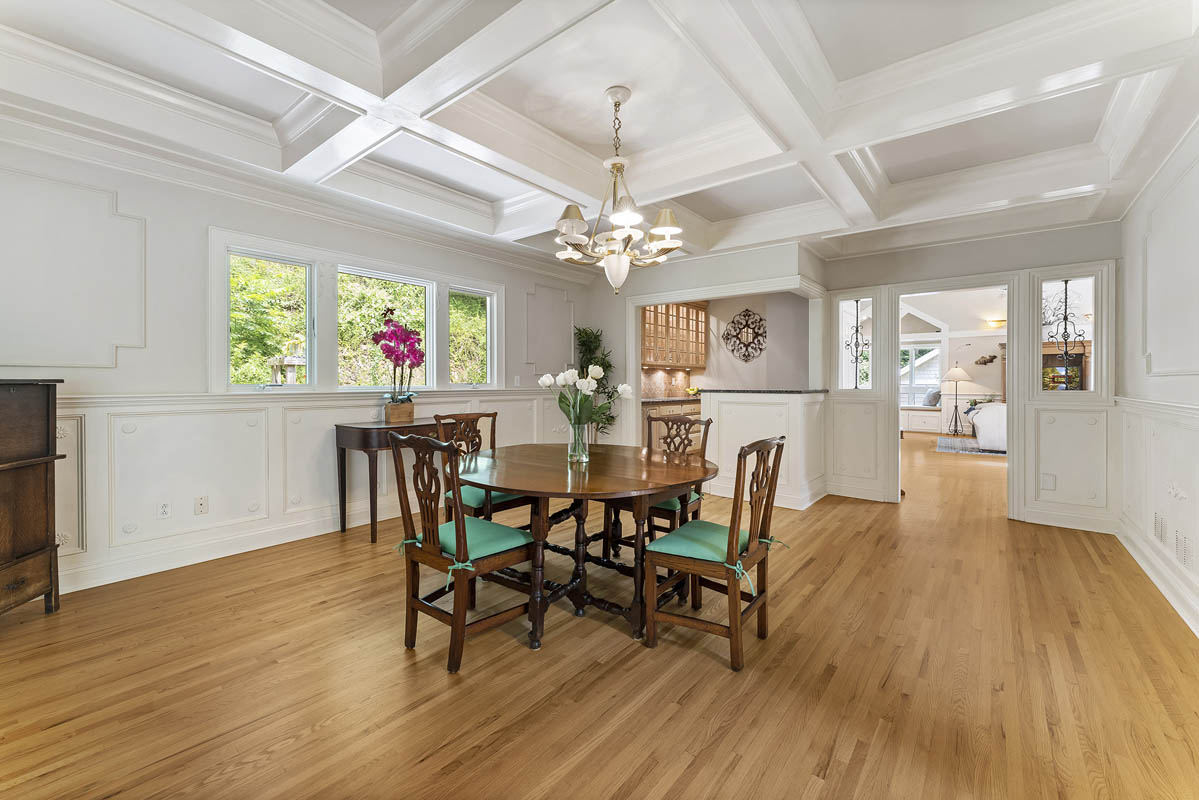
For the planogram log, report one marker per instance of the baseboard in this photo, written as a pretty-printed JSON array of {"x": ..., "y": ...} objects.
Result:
[
  {"x": 859, "y": 492},
  {"x": 1065, "y": 519},
  {"x": 799, "y": 499},
  {"x": 87, "y": 576},
  {"x": 1177, "y": 594}
]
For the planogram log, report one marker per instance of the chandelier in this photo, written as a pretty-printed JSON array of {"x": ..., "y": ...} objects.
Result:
[{"x": 616, "y": 248}]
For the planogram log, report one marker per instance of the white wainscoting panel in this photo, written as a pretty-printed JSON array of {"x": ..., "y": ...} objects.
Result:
[
  {"x": 174, "y": 457},
  {"x": 309, "y": 460},
  {"x": 738, "y": 419},
  {"x": 101, "y": 262},
  {"x": 69, "y": 527},
  {"x": 250, "y": 454},
  {"x": 1159, "y": 524},
  {"x": 855, "y": 437},
  {"x": 1071, "y": 457},
  {"x": 1171, "y": 281},
  {"x": 549, "y": 311}
]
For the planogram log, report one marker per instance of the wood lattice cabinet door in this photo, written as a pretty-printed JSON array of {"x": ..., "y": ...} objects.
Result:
[{"x": 674, "y": 335}]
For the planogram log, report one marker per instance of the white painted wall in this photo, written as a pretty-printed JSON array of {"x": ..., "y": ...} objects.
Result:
[
  {"x": 1158, "y": 380},
  {"x": 784, "y": 364},
  {"x": 108, "y": 289}
]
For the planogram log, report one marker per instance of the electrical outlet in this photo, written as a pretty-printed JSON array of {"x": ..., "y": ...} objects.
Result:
[
  {"x": 1049, "y": 481},
  {"x": 164, "y": 511},
  {"x": 201, "y": 505},
  {"x": 516, "y": 380}
]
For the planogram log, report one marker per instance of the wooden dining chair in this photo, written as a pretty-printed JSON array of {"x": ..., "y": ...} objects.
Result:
[
  {"x": 464, "y": 431},
  {"x": 679, "y": 431},
  {"x": 703, "y": 552},
  {"x": 464, "y": 548}
]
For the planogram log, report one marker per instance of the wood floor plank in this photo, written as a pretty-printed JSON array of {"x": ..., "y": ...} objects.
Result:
[{"x": 931, "y": 649}]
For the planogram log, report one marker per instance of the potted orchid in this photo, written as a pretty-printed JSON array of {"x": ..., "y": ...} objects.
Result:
[
  {"x": 576, "y": 399},
  {"x": 401, "y": 347}
]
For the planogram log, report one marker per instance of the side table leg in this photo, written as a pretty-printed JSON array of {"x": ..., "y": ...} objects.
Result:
[
  {"x": 372, "y": 464},
  {"x": 341, "y": 486}
]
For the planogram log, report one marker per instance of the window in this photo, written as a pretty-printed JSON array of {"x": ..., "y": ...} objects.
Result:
[
  {"x": 361, "y": 300},
  {"x": 270, "y": 326},
  {"x": 919, "y": 371},
  {"x": 1067, "y": 356},
  {"x": 469, "y": 337},
  {"x": 854, "y": 326}
]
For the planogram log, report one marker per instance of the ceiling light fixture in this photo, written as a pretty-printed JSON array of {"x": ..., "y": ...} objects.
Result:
[{"x": 615, "y": 248}]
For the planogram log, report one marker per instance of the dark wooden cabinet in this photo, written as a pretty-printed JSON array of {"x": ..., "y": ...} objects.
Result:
[{"x": 28, "y": 550}]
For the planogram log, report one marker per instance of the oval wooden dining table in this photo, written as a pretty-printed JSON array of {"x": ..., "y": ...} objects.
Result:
[{"x": 614, "y": 471}]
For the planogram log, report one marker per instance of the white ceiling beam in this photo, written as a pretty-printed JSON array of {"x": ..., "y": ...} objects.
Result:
[
  {"x": 527, "y": 215},
  {"x": 336, "y": 61},
  {"x": 782, "y": 224},
  {"x": 1128, "y": 114},
  {"x": 1027, "y": 62},
  {"x": 1034, "y": 216},
  {"x": 1073, "y": 171},
  {"x": 396, "y": 189},
  {"x": 440, "y": 50},
  {"x": 46, "y": 78},
  {"x": 717, "y": 32}
]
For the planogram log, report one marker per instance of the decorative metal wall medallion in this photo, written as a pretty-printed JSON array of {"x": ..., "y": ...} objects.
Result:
[{"x": 745, "y": 335}]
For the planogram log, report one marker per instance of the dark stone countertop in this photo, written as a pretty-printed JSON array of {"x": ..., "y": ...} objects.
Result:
[{"x": 767, "y": 391}]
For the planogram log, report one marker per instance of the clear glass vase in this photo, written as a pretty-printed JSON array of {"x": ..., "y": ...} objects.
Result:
[{"x": 578, "y": 450}]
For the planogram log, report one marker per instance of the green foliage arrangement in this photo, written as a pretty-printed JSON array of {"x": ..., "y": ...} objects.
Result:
[{"x": 589, "y": 350}]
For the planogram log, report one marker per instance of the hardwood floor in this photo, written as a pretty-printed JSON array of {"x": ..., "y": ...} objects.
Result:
[{"x": 930, "y": 649}]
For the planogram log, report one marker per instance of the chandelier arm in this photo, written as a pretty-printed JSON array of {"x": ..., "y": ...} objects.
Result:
[
  {"x": 584, "y": 251},
  {"x": 600, "y": 215},
  {"x": 627, "y": 191},
  {"x": 580, "y": 262}
]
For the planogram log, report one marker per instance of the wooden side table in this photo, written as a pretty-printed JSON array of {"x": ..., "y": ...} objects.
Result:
[{"x": 370, "y": 438}]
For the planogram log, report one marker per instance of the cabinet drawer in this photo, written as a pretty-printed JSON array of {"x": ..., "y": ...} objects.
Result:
[
  {"x": 924, "y": 421},
  {"x": 27, "y": 431},
  {"x": 24, "y": 580},
  {"x": 690, "y": 409}
]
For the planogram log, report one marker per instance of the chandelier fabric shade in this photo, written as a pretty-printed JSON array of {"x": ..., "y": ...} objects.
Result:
[{"x": 623, "y": 245}]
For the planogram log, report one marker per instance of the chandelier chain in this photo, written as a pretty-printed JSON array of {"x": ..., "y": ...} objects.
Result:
[{"x": 616, "y": 127}]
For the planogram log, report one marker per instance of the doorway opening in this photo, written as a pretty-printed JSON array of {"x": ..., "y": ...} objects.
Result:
[{"x": 952, "y": 384}]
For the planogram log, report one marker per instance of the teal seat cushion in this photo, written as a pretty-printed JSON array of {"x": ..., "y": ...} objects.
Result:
[
  {"x": 483, "y": 538},
  {"x": 474, "y": 497},
  {"x": 673, "y": 503},
  {"x": 707, "y": 541}
]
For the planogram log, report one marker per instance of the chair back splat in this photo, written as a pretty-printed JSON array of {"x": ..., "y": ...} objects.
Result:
[
  {"x": 432, "y": 461},
  {"x": 677, "y": 436},
  {"x": 464, "y": 430},
  {"x": 760, "y": 481}
]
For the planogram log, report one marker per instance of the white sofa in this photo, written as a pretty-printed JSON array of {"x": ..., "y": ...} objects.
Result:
[{"x": 990, "y": 426}]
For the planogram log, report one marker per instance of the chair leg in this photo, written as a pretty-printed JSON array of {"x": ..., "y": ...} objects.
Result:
[
  {"x": 762, "y": 622},
  {"x": 458, "y": 621},
  {"x": 651, "y": 604},
  {"x": 471, "y": 593},
  {"x": 449, "y": 512},
  {"x": 411, "y": 614},
  {"x": 736, "y": 655},
  {"x": 697, "y": 597}
]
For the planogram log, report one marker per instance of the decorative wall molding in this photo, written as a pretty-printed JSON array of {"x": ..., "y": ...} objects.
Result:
[
  {"x": 547, "y": 311},
  {"x": 97, "y": 274},
  {"x": 70, "y": 493},
  {"x": 1168, "y": 280}
]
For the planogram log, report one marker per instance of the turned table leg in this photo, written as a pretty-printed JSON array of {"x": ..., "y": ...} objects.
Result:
[
  {"x": 637, "y": 612},
  {"x": 540, "y": 530}
]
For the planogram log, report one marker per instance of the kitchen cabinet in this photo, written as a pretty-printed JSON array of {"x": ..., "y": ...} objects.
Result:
[{"x": 674, "y": 335}]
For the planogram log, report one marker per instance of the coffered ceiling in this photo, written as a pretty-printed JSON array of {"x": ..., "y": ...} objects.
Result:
[{"x": 852, "y": 126}]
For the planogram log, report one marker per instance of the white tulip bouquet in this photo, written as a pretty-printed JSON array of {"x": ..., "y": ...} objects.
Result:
[{"x": 576, "y": 399}]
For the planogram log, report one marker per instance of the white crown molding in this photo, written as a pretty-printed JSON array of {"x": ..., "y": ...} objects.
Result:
[
  {"x": 1127, "y": 117},
  {"x": 328, "y": 24},
  {"x": 727, "y": 146},
  {"x": 415, "y": 24},
  {"x": 306, "y": 112}
]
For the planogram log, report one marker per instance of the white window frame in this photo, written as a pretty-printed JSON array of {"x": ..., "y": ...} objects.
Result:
[
  {"x": 1102, "y": 364},
  {"x": 223, "y": 245},
  {"x": 324, "y": 266},
  {"x": 431, "y": 327},
  {"x": 834, "y": 329},
  {"x": 492, "y": 294},
  {"x": 913, "y": 345}
]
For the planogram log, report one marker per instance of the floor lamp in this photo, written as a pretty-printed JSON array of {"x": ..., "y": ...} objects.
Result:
[{"x": 956, "y": 426}]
